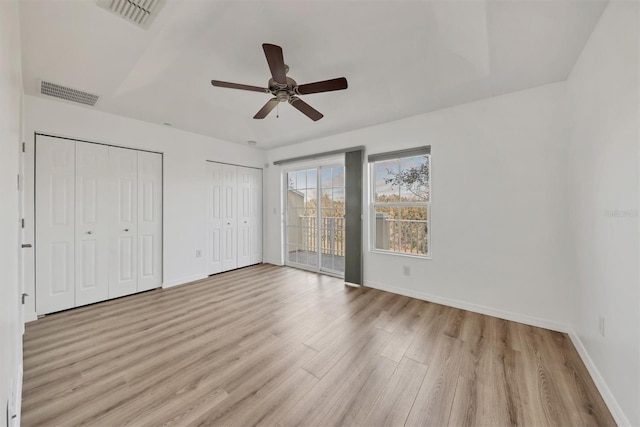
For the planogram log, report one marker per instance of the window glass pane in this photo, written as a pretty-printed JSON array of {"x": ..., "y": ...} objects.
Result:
[
  {"x": 338, "y": 196},
  {"x": 385, "y": 221},
  {"x": 327, "y": 198},
  {"x": 293, "y": 253},
  {"x": 312, "y": 178},
  {"x": 301, "y": 180},
  {"x": 413, "y": 230},
  {"x": 291, "y": 180},
  {"x": 338, "y": 176},
  {"x": 310, "y": 198},
  {"x": 413, "y": 179},
  {"x": 384, "y": 175},
  {"x": 326, "y": 177}
]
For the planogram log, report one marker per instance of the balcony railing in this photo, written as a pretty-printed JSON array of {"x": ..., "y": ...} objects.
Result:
[
  {"x": 331, "y": 234},
  {"x": 402, "y": 235}
]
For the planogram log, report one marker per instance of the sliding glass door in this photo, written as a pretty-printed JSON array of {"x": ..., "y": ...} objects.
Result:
[{"x": 315, "y": 219}]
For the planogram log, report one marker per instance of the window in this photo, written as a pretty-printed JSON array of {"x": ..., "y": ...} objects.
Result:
[{"x": 401, "y": 201}]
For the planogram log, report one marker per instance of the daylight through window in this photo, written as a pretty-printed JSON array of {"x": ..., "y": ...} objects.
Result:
[{"x": 400, "y": 203}]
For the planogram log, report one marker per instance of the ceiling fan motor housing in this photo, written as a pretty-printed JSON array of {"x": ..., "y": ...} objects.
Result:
[{"x": 283, "y": 92}]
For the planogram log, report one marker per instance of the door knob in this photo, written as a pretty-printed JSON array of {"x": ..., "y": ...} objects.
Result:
[
  {"x": 126, "y": 229},
  {"x": 89, "y": 232}
]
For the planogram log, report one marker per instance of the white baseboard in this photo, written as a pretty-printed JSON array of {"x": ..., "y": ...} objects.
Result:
[
  {"x": 476, "y": 308},
  {"x": 176, "y": 282},
  {"x": 612, "y": 403}
]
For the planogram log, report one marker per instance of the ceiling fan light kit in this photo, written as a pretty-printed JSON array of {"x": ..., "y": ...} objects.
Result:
[{"x": 285, "y": 89}]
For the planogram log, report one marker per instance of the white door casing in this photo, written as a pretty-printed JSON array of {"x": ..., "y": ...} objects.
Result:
[
  {"x": 92, "y": 223},
  {"x": 55, "y": 224},
  {"x": 123, "y": 227},
  {"x": 149, "y": 220}
]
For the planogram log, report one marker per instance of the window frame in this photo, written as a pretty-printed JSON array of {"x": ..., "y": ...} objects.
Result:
[{"x": 373, "y": 204}]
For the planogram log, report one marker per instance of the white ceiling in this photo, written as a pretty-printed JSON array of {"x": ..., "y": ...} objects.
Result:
[{"x": 401, "y": 58}]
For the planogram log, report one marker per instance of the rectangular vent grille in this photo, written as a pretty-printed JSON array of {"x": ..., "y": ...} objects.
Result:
[
  {"x": 62, "y": 92},
  {"x": 138, "y": 12}
]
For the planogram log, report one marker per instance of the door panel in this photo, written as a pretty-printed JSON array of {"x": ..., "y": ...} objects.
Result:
[
  {"x": 244, "y": 216},
  {"x": 256, "y": 216},
  {"x": 149, "y": 220},
  {"x": 315, "y": 219},
  {"x": 123, "y": 180},
  {"x": 229, "y": 219},
  {"x": 92, "y": 220},
  {"x": 214, "y": 218},
  {"x": 55, "y": 223}
]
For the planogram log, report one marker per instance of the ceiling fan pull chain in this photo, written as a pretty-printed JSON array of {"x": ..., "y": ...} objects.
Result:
[{"x": 278, "y": 111}]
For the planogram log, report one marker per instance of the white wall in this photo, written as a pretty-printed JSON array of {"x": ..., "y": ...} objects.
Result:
[
  {"x": 499, "y": 235},
  {"x": 184, "y": 180},
  {"x": 603, "y": 119},
  {"x": 10, "y": 127}
]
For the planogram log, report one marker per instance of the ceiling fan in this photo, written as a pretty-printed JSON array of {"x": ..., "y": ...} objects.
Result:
[{"x": 285, "y": 89}]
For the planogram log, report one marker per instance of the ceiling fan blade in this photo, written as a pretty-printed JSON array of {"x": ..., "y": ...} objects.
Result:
[
  {"x": 270, "y": 105},
  {"x": 218, "y": 83},
  {"x": 324, "y": 86},
  {"x": 275, "y": 59},
  {"x": 306, "y": 109}
]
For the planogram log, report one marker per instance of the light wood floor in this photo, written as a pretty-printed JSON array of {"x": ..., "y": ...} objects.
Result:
[{"x": 273, "y": 345}]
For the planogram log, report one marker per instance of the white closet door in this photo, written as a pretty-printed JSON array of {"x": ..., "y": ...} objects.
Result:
[
  {"x": 123, "y": 227},
  {"x": 245, "y": 176},
  {"x": 214, "y": 217},
  {"x": 229, "y": 218},
  {"x": 255, "y": 218},
  {"x": 55, "y": 224},
  {"x": 149, "y": 220},
  {"x": 92, "y": 241}
]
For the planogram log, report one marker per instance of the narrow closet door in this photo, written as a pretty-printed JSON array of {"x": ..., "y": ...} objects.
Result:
[
  {"x": 214, "y": 217},
  {"x": 55, "y": 223},
  {"x": 92, "y": 219},
  {"x": 229, "y": 218},
  {"x": 245, "y": 176},
  {"x": 255, "y": 218},
  {"x": 149, "y": 220},
  {"x": 123, "y": 233}
]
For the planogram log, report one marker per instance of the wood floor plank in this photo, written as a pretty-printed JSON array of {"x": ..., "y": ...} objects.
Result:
[{"x": 269, "y": 345}]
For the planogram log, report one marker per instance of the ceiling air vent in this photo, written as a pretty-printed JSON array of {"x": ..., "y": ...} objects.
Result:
[
  {"x": 138, "y": 12},
  {"x": 63, "y": 92}
]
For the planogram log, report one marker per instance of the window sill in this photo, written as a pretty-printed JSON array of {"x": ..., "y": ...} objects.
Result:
[{"x": 400, "y": 254}]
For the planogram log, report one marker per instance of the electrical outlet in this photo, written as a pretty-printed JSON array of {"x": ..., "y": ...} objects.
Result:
[
  {"x": 406, "y": 270},
  {"x": 601, "y": 326},
  {"x": 198, "y": 253}
]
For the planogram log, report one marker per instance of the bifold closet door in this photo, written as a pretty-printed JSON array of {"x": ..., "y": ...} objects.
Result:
[
  {"x": 229, "y": 218},
  {"x": 214, "y": 217},
  {"x": 92, "y": 223},
  {"x": 123, "y": 230},
  {"x": 55, "y": 224},
  {"x": 255, "y": 217},
  {"x": 149, "y": 220},
  {"x": 245, "y": 178}
]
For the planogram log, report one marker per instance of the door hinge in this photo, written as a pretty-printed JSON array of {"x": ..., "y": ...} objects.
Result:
[
  {"x": 22, "y": 223},
  {"x": 23, "y": 297},
  {"x": 24, "y": 147}
]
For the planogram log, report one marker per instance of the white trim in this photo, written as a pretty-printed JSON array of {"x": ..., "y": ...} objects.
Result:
[
  {"x": 605, "y": 392},
  {"x": 18, "y": 397},
  {"x": 184, "y": 280},
  {"x": 476, "y": 308}
]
